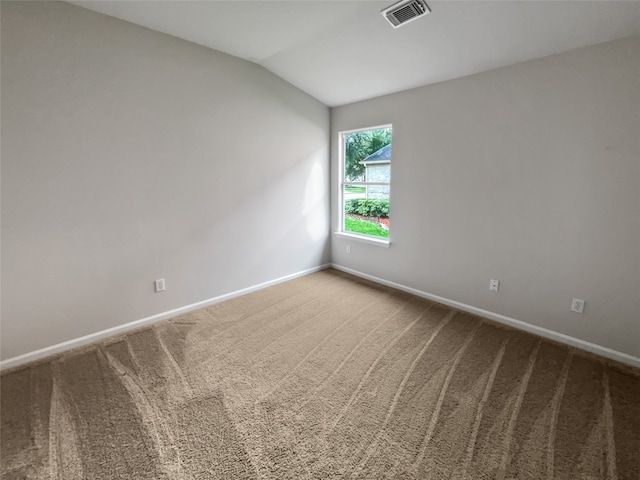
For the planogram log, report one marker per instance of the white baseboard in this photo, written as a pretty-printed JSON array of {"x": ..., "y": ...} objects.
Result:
[
  {"x": 92, "y": 337},
  {"x": 512, "y": 322}
]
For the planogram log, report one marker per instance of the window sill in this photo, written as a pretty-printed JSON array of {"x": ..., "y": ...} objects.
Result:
[{"x": 361, "y": 238}]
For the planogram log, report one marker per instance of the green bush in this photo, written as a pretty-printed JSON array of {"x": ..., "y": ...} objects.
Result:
[{"x": 369, "y": 207}]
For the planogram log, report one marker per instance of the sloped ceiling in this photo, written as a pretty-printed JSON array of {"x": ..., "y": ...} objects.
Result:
[{"x": 345, "y": 51}]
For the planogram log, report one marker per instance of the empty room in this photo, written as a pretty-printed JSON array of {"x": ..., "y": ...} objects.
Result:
[{"x": 320, "y": 239}]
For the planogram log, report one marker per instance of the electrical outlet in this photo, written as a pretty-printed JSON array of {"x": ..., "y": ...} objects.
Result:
[
  {"x": 348, "y": 248},
  {"x": 577, "y": 305},
  {"x": 159, "y": 285},
  {"x": 494, "y": 285}
]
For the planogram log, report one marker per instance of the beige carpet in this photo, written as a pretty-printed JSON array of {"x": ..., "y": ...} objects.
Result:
[{"x": 326, "y": 376}]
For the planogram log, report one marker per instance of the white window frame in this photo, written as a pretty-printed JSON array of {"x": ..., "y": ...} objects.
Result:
[{"x": 359, "y": 237}]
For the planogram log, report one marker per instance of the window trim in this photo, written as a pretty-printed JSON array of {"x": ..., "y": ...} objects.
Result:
[
  {"x": 360, "y": 237},
  {"x": 342, "y": 233}
]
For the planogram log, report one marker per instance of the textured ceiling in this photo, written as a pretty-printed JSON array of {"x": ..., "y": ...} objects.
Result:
[{"x": 344, "y": 51}]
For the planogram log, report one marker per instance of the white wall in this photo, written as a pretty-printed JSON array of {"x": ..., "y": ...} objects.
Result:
[
  {"x": 129, "y": 155},
  {"x": 529, "y": 174}
]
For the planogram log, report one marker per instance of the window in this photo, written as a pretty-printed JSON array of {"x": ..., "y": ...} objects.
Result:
[{"x": 365, "y": 175}]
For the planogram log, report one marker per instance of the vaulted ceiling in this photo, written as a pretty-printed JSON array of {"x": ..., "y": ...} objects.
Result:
[{"x": 344, "y": 51}]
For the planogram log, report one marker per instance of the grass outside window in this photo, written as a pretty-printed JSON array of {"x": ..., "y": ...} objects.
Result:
[{"x": 365, "y": 227}]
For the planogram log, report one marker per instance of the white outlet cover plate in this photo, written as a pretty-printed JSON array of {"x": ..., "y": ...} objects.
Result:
[{"x": 577, "y": 305}]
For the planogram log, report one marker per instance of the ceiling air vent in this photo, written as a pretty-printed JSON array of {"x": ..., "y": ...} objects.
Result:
[{"x": 405, "y": 11}]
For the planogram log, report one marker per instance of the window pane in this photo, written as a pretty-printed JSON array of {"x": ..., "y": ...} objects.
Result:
[
  {"x": 363, "y": 148},
  {"x": 366, "y": 209}
]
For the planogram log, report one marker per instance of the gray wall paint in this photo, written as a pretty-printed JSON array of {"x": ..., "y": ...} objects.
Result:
[
  {"x": 529, "y": 174},
  {"x": 129, "y": 155}
]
